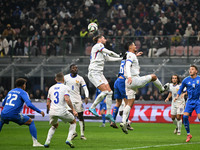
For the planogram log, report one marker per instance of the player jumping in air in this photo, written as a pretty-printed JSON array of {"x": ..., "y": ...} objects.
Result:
[
  {"x": 134, "y": 81},
  {"x": 99, "y": 55}
]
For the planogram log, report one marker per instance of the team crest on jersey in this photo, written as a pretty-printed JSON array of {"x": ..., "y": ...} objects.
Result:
[
  {"x": 77, "y": 81},
  {"x": 197, "y": 81},
  {"x": 189, "y": 82}
]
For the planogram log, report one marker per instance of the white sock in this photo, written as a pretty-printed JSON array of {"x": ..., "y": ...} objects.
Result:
[
  {"x": 126, "y": 113},
  {"x": 72, "y": 129},
  {"x": 99, "y": 98},
  {"x": 50, "y": 134},
  {"x": 158, "y": 84},
  {"x": 81, "y": 127},
  {"x": 34, "y": 140},
  {"x": 108, "y": 104},
  {"x": 179, "y": 125},
  {"x": 175, "y": 122}
]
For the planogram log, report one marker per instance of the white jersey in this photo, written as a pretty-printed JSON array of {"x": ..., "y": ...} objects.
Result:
[
  {"x": 174, "y": 90},
  {"x": 56, "y": 94},
  {"x": 97, "y": 58},
  {"x": 74, "y": 84},
  {"x": 135, "y": 68}
]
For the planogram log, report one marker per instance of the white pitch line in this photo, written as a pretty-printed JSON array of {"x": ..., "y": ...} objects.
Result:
[{"x": 151, "y": 146}]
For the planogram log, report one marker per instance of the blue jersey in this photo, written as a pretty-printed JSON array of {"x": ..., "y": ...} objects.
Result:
[
  {"x": 121, "y": 70},
  {"x": 14, "y": 101},
  {"x": 97, "y": 93},
  {"x": 193, "y": 87}
]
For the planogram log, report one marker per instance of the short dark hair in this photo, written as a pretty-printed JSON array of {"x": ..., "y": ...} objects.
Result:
[
  {"x": 96, "y": 38},
  {"x": 59, "y": 76},
  {"x": 20, "y": 82},
  {"x": 127, "y": 44},
  {"x": 178, "y": 78},
  {"x": 194, "y": 67},
  {"x": 72, "y": 65}
]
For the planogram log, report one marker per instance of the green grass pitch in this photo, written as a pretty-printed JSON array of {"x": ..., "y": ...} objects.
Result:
[{"x": 148, "y": 136}]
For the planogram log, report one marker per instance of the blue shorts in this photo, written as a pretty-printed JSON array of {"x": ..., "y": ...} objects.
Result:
[
  {"x": 119, "y": 89},
  {"x": 192, "y": 105},
  {"x": 103, "y": 106},
  {"x": 19, "y": 118}
]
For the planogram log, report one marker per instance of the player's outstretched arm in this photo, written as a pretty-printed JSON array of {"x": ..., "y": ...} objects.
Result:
[
  {"x": 67, "y": 99},
  {"x": 108, "y": 58},
  {"x": 48, "y": 105},
  {"x": 110, "y": 53}
]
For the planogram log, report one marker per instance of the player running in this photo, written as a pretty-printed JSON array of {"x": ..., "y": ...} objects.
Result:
[
  {"x": 134, "y": 81},
  {"x": 12, "y": 107},
  {"x": 192, "y": 84},
  {"x": 74, "y": 83},
  {"x": 177, "y": 108},
  {"x": 57, "y": 103},
  {"x": 99, "y": 55}
]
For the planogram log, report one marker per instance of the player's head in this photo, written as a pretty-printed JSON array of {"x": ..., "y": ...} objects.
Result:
[
  {"x": 73, "y": 69},
  {"x": 193, "y": 70},
  {"x": 99, "y": 39},
  {"x": 175, "y": 79},
  {"x": 21, "y": 83},
  {"x": 59, "y": 77},
  {"x": 130, "y": 46}
]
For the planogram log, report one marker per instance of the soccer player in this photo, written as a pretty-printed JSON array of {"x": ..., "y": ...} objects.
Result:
[
  {"x": 177, "y": 107},
  {"x": 74, "y": 83},
  {"x": 58, "y": 101},
  {"x": 12, "y": 107},
  {"x": 103, "y": 108},
  {"x": 192, "y": 84},
  {"x": 134, "y": 81},
  {"x": 99, "y": 54},
  {"x": 119, "y": 93}
]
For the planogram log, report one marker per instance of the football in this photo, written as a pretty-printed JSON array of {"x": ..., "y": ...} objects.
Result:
[{"x": 92, "y": 27}]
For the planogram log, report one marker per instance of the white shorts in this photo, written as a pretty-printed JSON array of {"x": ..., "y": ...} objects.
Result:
[
  {"x": 65, "y": 117},
  {"x": 97, "y": 78},
  {"x": 78, "y": 106},
  {"x": 178, "y": 109},
  {"x": 137, "y": 82}
]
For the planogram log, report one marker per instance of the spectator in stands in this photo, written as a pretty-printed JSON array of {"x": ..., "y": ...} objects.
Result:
[
  {"x": 35, "y": 49},
  {"x": 37, "y": 94},
  {"x": 141, "y": 98},
  {"x": 19, "y": 47},
  {"x": 27, "y": 46},
  {"x": 9, "y": 32},
  {"x": 198, "y": 38},
  {"x": 192, "y": 39},
  {"x": 163, "y": 18},
  {"x": 4, "y": 46},
  {"x": 12, "y": 44},
  {"x": 154, "y": 47},
  {"x": 176, "y": 39},
  {"x": 188, "y": 30}
]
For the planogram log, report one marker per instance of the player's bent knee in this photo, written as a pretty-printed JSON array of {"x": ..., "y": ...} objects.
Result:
[
  {"x": 154, "y": 77},
  {"x": 74, "y": 121},
  {"x": 55, "y": 125}
]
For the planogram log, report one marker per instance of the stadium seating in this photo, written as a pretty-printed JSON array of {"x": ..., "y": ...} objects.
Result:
[
  {"x": 196, "y": 50},
  {"x": 186, "y": 50},
  {"x": 179, "y": 50},
  {"x": 172, "y": 50}
]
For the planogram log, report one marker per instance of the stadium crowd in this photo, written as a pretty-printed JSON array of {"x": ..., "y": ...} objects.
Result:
[
  {"x": 50, "y": 27},
  {"x": 41, "y": 27}
]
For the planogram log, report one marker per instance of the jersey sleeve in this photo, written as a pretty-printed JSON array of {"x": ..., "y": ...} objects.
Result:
[
  {"x": 83, "y": 84},
  {"x": 129, "y": 61},
  {"x": 27, "y": 100}
]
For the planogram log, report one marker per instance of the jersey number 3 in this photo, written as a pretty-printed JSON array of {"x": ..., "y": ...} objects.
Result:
[
  {"x": 10, "y": 99},
  {"x": 56, "y": 94}
]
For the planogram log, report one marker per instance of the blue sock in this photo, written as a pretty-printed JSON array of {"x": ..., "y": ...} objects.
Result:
[
  {"x": 115, "y": 112},
  {"x": 104, "y": 118},
  {"x": 1, "y": 125},
  {"x": 128, "y": 117},
  {"x": 186, "y": 123},
  {"x": 33, "y": 130}
]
